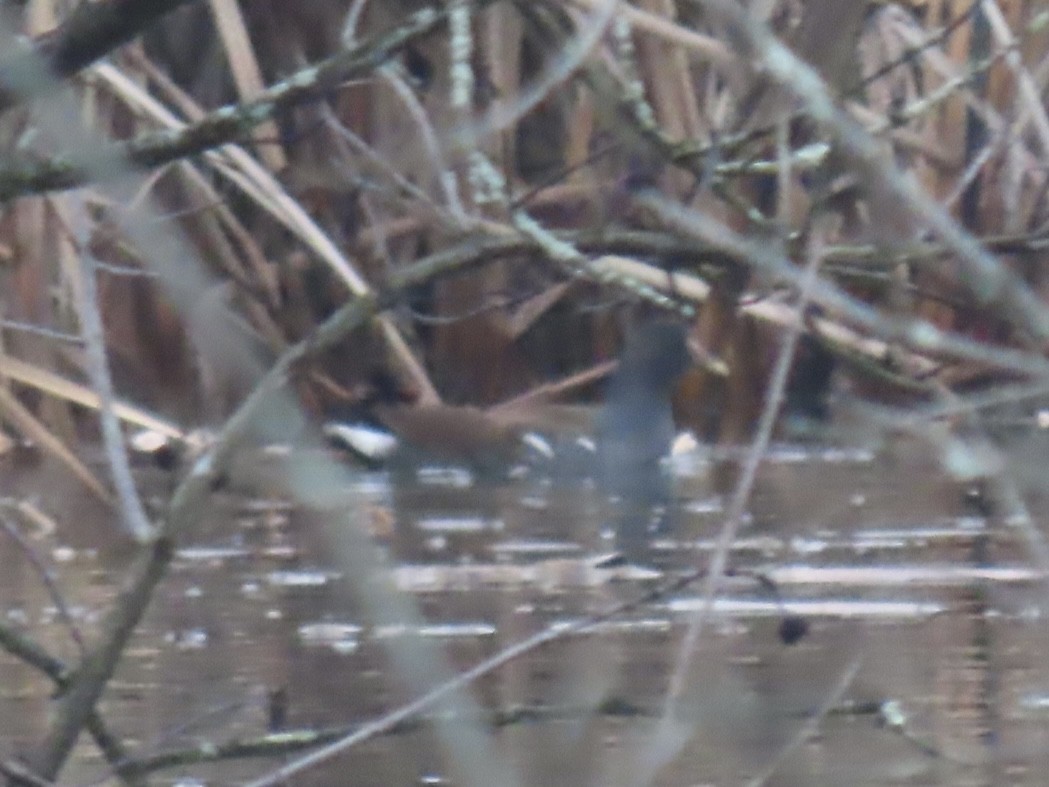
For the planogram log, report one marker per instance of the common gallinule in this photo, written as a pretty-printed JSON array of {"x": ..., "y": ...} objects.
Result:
[{"x": 635, "y": 428}]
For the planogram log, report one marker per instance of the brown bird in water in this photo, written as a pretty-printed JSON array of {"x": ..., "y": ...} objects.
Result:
[{"x": 451, "y": 433}]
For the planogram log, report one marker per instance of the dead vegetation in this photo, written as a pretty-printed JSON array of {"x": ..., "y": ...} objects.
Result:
[{"x": 242, "y": 209}]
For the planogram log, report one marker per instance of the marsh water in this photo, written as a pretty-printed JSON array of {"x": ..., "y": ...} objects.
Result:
[{"x": 922, "y": 659}]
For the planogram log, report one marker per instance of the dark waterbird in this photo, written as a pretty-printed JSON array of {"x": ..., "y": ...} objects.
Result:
[{"x": 635, "y": 428}]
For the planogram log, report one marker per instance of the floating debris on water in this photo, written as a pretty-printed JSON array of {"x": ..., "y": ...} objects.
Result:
[
  {"x": 188, "y": 639},
  {"x": 535, "y": 547},
  {"x": 209, "y": 554},
  {"x": 343, "y": 638},
  {"x": 436, "y": 631},
  {"x": 301, "y": 578},
  {"x": 464, "y": 524},
  {"x": 453, "y": 477},
  {"x": 899, "y": 575},
  {"x": 834, "y": 608}
]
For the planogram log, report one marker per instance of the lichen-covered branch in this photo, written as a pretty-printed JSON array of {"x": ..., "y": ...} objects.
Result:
[{"x": 230, "y": 123}]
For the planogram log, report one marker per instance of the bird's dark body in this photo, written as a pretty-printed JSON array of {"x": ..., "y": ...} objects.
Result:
[{"x": 636, "y": 427}]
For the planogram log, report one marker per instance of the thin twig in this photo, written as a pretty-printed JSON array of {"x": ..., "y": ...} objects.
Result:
[
  {"x": 48, "y": 579},
  {"x": 734, "y": 515},
  {"x": 812, "y": 723},
  {"x": 990, "y": 281},
  {"x": 134, "y": 515}
]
